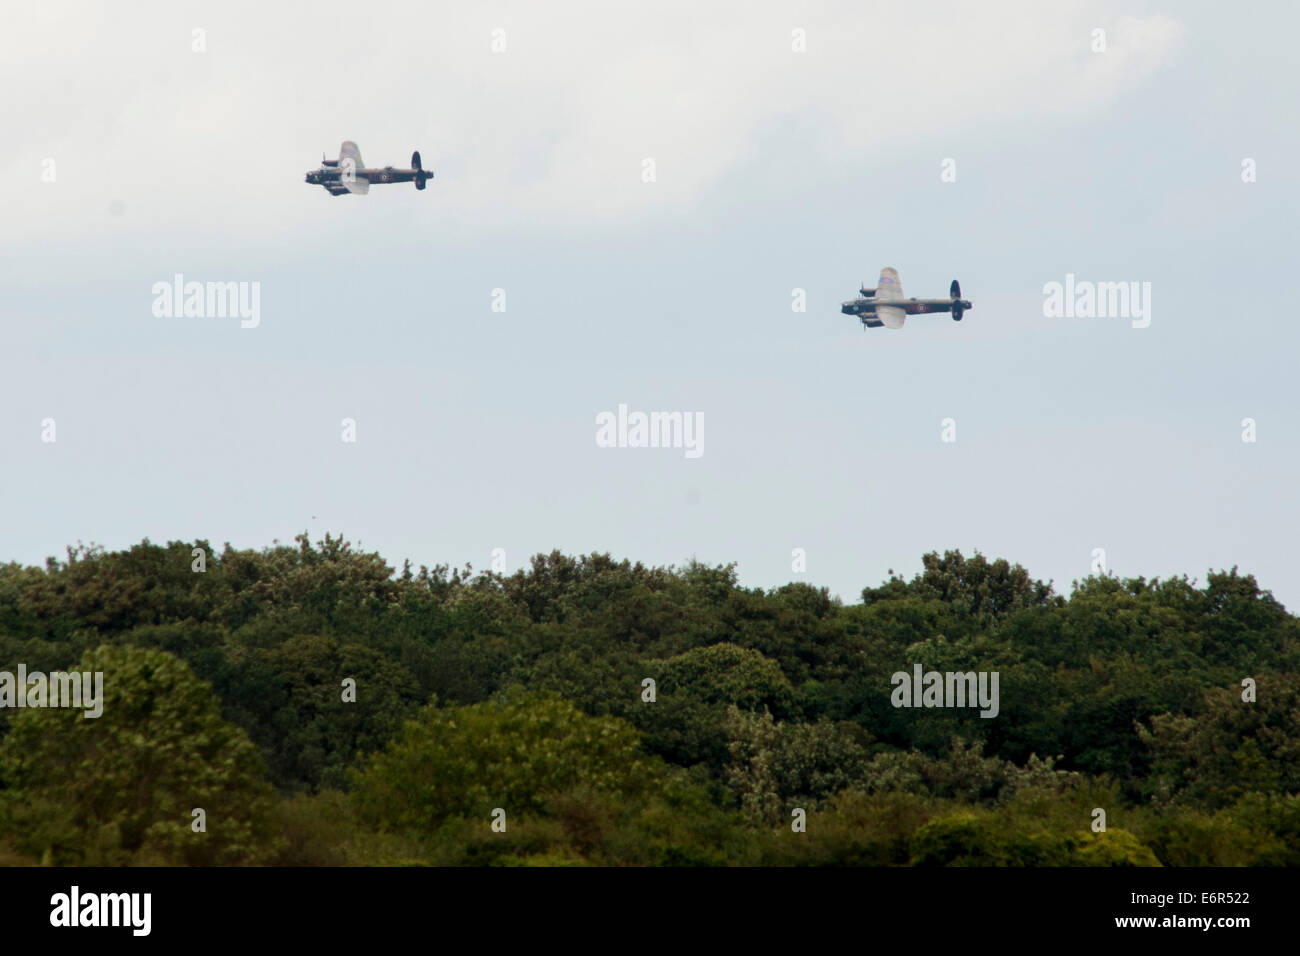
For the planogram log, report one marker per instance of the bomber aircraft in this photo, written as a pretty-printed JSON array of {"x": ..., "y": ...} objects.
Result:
[
  {"x": 348, "y": 174},
  {"x": 885, "y": 305}
]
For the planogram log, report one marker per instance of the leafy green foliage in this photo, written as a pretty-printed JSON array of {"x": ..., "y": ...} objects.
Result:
[
  {"x": 1125, "y": 694},
  {"x": 515, "y": 752},
  {"x": 120, "y": 788}
]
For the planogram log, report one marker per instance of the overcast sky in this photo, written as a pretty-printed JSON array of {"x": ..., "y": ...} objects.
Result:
[{"x": 775, "y": 169}]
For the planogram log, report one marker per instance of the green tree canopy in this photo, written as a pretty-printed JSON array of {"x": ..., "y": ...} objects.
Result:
[
  {"x": 121, "y": 788},
  {"x": 513, "y": 753}
]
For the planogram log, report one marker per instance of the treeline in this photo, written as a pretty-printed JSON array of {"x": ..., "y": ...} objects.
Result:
[{"x": 321, "y": 707}]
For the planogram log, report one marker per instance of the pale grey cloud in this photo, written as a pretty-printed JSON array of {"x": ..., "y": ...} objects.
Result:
[{"x": 554, "y": 129}]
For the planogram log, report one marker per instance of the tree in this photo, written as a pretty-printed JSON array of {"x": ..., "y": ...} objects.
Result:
[
  {"x": 290, "y": 700},
  {"x": 777, "y": 765},
  {"x": 686, "y": 723},
  {"x": 513, "y": 753},
  {"x": 120, "y": 788}
]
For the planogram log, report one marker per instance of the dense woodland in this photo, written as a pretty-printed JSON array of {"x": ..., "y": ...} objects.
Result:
[{"x": 477, "y": 691}]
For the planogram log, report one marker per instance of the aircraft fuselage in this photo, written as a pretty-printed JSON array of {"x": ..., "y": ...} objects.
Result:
[
  {"x": 910, "y": 306},
  {"x": 333, "y": 174}
]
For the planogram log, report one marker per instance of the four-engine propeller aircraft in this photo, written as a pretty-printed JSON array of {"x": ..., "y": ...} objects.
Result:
[
  {"x": 348, "y": 174},
  {"x": 885, "y": 305}
]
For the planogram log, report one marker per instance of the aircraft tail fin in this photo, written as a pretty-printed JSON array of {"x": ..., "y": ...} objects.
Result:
[
  {"x": 421, "y": 177},
  {"x": 958, "y": 307}
]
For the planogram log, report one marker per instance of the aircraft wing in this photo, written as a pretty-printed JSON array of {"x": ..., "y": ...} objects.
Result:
[
  {"x": 349, "y": 151},
  {"x": 892, "y": 315},
  {"x": 335, "y": 189},
  {"x": 350, "y": 164},
  {"x": 888, "y": 287}
]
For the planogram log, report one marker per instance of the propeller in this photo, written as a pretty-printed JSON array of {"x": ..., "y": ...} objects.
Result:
[{"x": 954, "y": 290}]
